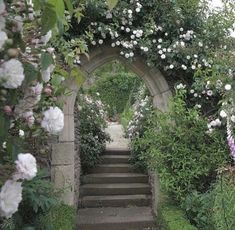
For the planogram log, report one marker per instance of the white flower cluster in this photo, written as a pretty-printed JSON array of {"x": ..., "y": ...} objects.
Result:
[
  {"x": 141, "y": 107},
  {"x": 11, "y": 74},
  {"x": 31, "y": 97},
  {"x": 180, "y": 86},
  {"x": 97, "y": 106},
  {"x": 213, "y": 124},
  {"x": 11, "y": 191},
  {"x": 53, "y": 120}
]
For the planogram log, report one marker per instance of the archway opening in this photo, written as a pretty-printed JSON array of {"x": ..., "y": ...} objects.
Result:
[{"x": 63, "y": 166}]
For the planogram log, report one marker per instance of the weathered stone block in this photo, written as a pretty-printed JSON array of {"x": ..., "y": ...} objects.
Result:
[
  {"x": 63, "y": 178},
  {"x": 62, "y": 154},
  {"x": 67, "y": 135}
]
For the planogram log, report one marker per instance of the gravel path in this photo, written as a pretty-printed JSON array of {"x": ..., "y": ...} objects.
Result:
[{"x": 116, "y": 132}]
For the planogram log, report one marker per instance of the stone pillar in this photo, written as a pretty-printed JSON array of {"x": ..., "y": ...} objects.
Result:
[{"x": 63, "y": 152}]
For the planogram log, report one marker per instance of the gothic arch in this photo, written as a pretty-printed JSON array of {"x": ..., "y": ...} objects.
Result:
[{"x": 63, "y": 151}]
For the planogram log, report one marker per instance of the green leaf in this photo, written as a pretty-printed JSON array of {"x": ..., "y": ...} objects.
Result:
[
  {"x": 30, "y": 72},
  {"x": 49, "y": 18},
  {"x": 69, "y": 6},
  {"x": 58, "y": 6},
  {"x": 46, "y": 60},
  {"x": 78, "y": 75},
  {"x": 112, "y": 3}
]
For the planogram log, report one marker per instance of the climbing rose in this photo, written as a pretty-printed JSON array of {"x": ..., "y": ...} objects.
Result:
[
  {"x": 26, "y": 167},
  {"x": 12, "y": 74},
  {"x": 10, "y": 197},
  {"x": 28, "y": 116},
  {"x": 53, "y": 120}
]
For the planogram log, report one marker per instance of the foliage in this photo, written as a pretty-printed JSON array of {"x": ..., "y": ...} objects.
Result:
[
  {"x": 91, "y": 128},
  {"x": 178, "y": 146},
  {"x": 142, "y": 111},
  {"x": 198, "y": 208},
  {"x": 126, "y": 116},
  {"x": 224, "y": 204},
  {"x": 60, "y": 217},
  {"x": 115, "y": 88},
  {"x": 7, "y": 224},
  {"x": 172, "y": 218},
  {"x": 39, "y": 196}
]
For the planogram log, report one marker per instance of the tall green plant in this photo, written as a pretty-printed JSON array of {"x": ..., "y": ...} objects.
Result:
[{"x": 178, "y": 146}]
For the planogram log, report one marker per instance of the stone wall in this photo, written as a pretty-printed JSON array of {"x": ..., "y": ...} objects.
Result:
[{"x": 77, "y": 163}]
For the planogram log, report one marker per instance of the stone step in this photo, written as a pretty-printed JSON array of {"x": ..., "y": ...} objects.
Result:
[
  {"x": 113, "y": 168},
  {"x": 131, "y": 218},
  {"x": 112, "y": 151},
  {"x": 115, "y": 159},
  {"x": 114, "y": 189},
  {"x": 115, "y": 201},
  {"x": 105, "y": 178}
]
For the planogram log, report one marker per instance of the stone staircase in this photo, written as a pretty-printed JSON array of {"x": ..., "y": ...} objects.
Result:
[{"x": 114, "y": 196}]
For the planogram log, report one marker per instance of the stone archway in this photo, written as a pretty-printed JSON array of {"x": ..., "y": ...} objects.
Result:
[{"x": 63, "y": 152}]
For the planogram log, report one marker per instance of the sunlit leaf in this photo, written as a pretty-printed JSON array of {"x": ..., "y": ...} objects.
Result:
[{"x": 112, "y": 3}]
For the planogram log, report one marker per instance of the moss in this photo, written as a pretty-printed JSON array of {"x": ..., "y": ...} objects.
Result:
[{"x": 61, "y": 217}]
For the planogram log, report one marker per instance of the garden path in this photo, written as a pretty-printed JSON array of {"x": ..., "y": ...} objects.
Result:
[{"x": 113, "y": 195}]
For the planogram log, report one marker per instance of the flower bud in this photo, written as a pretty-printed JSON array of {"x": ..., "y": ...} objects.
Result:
[
  {"x": 7, "y": 109},
  {"x": 13, "y": 53},
  {"x": 47, "y": 90}
]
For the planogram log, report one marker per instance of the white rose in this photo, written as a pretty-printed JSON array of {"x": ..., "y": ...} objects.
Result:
[
  {"x": 53, "y": 120},
  {"x": 37, "y": 90},
  {"x": 28, "y": 116},
  {"x": 10, "y": 197},
  {"x": 223, "y": 114},
  {"x": 26, "y": 167},
  {"x": 218, "y": 122},
  {"x": 228, "y": 87},
  {"x": 12, "y": 74},
  {"x": 46, "y": 74},
  {"x": 21, "y": 133},
  {"x": 233, "y": 118}
]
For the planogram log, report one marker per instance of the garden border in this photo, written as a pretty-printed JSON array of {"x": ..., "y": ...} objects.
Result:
[{"x": 63, "y": 152}]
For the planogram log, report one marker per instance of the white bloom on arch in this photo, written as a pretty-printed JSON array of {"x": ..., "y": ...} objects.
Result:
[
  {"x": 10, "y": 197},
  {"x": 21, "y": 133},
  {"x": 227, "y": 87},
  {"x": 233, "y": 118},
  {"x": 12, "y": 73},
  {"x": 53, "y": 121},
  {"x": 26, "y": 167},
  {"x": 223, "y": 114}
]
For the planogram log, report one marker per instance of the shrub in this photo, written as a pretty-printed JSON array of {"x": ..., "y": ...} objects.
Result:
[
  {"x": 172, "y": 217},
  {"x": 39, "y": 196},
  {"x": 92, "y": 134},
  {"x": 115, "y": 90},
  {"x": 177, "y": 145},
  {"x": 60, "y": 217},
  {"x": 198, "y": 208},
  {"x": 224, "y": 204}
]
